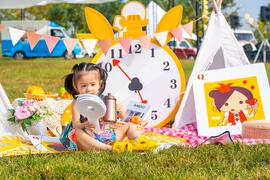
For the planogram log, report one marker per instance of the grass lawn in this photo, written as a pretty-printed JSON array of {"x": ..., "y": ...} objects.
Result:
[{"x": 206, "y": 162}]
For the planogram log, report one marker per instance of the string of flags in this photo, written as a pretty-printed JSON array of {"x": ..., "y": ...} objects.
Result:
[{"x": 89, "y": 44}]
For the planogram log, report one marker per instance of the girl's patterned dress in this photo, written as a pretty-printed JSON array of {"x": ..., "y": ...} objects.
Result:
[{"x": 68, "y": 137}]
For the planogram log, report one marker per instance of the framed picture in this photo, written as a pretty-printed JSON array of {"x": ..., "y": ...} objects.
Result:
[{"x": 225, "y": 98}]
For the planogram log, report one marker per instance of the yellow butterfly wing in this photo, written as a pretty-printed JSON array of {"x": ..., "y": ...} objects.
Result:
[
  {"x": 172, "y": 19},
  {"x": 98, "y": 24}
]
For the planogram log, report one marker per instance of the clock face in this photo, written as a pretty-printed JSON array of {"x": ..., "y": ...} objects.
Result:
[{"x": 153, "y": 76}]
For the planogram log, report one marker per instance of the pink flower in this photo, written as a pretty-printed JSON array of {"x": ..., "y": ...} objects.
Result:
[
  {"x": 22, "y": 113},
  {"x": 31, "y": 103}
]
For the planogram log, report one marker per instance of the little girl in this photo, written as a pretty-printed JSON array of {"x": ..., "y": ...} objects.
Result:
[{"x": 88, "y": 78}]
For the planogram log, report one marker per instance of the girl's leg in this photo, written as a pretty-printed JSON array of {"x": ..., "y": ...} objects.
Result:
[
  {"x": 85, "y": 142},
  {"x": 129, "y": 130}
]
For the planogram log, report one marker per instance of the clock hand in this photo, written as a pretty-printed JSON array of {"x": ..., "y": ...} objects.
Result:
[
  {"x": 116, "y": 62},
  {"x": 142, "y": 101}
]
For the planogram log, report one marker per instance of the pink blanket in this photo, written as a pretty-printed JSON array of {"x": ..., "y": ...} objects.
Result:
[{"x": 193, "y": 139}]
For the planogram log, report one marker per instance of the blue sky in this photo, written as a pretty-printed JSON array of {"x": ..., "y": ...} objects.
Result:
[{"x": 250, "y": 6}]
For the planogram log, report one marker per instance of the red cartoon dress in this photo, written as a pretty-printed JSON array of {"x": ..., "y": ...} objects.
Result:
[{"x": 236, "y": 117}]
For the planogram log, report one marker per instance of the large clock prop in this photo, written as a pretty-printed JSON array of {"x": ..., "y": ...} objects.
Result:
[{"x": 150, "y": 75}]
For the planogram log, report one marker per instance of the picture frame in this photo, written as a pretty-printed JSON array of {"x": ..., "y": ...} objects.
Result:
[{"x": 225, "y": 98}]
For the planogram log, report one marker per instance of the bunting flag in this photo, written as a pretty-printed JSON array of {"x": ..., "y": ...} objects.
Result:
[
  {"x": 177, "y": 33},
  {"x": 105, "y": 45},
  {"x": 15, "y": 35},
  {"x": 125, "y": 43},
  {"x": 33, "y": 39},
  {"x": 145, "y": 41},
  {"x": 161, "y": 37},
  {"x": 89, "y": 45},
  {"x": 51, "y": 41},
  {"x": 1, "y": 27},
  {"x": 188, "y": 28},
  {"x": 70, "y": 43}
]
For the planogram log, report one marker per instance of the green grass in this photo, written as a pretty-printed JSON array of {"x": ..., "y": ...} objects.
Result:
[
  {"x": 17, "y": 75},
  {"x": 206, "y": 162}
]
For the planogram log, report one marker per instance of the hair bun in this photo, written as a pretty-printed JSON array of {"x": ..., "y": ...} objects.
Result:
[{"x": 75, "y": 67}]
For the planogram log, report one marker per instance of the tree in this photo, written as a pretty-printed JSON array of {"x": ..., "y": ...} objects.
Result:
[{"x": 264, "y": 28}]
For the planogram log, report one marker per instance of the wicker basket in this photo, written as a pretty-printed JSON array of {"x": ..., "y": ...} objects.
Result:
[{"x": 39, "y": 97}]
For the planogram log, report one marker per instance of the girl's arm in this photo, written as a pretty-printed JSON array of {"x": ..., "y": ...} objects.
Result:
[
  {"x": 76, "y": 123},
  {"x": 120, "y": 111}
]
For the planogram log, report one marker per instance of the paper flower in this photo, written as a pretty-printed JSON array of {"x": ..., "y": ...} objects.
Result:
[
  {"x": 26, "y": 111},
  {"x": 22, "y": 113}
]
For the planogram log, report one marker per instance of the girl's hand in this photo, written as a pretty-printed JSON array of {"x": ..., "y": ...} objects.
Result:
[{"x": 120, "y": 111}]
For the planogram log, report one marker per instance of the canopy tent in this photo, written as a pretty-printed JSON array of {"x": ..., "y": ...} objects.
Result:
[
  {"x": 220, "y": 49},
  {"x": 21, "y": 4}
]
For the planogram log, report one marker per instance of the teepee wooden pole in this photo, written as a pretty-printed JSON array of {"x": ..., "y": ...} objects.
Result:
[
  {"x": 219, "y": 4},
  {"x": 215, "y": 6}
]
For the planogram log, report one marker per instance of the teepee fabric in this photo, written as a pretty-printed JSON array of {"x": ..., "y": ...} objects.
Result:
[
  {"x": 6, "y": 128},
  {"x": 220, "y": 49}
]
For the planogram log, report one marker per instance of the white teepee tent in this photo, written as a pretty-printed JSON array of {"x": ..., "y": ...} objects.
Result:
[
  {"x": 6, "y": 128},
  {"x": 220, "y": 49}
]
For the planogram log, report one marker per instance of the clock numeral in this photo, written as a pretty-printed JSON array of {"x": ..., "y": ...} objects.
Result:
[
  {"x": 120, "y": 53},
  {"x": 167, "y": 103},
  {"x": 138, "y": 50},
  {"x": 108, "y": 67},
  {"x": 173, "y": 85},
  {"x": 137, "y": 47},
  {"x": 112, "y": 53},
  {"x": 166, "y": 66},
  {"x": 152, "y": 52},
  {"x": 154, "y": 115}
]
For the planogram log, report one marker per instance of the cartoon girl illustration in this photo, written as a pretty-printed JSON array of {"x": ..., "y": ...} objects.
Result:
[{"x": 234, "y": 102}]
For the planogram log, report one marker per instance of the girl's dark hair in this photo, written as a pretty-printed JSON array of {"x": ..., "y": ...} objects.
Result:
[{"x": 71, "y": 78}]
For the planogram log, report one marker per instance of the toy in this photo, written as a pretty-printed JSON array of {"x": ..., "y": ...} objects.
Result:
[
  {"x": 91, "y": 107},
  {"x": 35, "y": 90},
  {"x": 62, "y": 93},
  {"x": 111, "y": 114},
  {"x": 67, "y": 115},
  {"x": 152, "y": 75},
  {"x": 139, "y": 145},
  {"x": 38, "y": 93}
]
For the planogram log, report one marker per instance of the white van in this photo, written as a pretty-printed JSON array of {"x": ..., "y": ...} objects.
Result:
[
  {"x": 246, "y": 37},
  {"x": 22, "y": 49}
]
